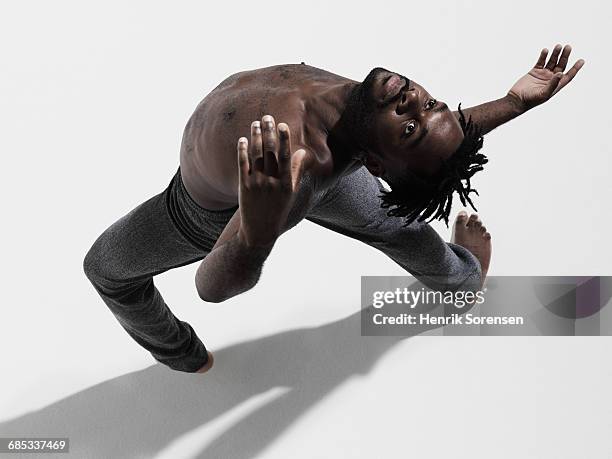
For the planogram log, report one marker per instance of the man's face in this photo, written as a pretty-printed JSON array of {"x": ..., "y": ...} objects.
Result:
[{"x": 409, "y": 128}]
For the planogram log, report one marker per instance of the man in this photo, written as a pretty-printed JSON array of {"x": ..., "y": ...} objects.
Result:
[{"x": 320, "y": 163}]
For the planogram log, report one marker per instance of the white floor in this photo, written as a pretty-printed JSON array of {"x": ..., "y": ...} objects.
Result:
[{"x": 84, "y": 142}]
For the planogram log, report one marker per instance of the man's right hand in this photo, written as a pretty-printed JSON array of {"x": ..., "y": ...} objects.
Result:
[{"x": 269, "y": 175}]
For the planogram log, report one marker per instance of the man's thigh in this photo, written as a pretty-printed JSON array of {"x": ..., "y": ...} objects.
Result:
[{"x": 352, "y": 208}]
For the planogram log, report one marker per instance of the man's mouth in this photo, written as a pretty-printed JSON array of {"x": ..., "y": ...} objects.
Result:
[{"x": 392, "y": 87}]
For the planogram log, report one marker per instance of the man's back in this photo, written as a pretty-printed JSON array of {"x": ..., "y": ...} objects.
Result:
[{"x": 294, "y": 94}]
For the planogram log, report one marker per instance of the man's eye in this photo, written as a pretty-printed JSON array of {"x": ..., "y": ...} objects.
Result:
[
  {"x": 410, "y": 128},
  {"x": 431, "y": 103}
]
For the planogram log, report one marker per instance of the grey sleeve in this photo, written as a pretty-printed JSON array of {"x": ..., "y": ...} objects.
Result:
[{"x": 352, "y": 207}]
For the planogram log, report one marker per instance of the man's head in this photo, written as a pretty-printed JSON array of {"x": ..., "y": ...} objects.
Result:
[{"x": 413, "y": 142}]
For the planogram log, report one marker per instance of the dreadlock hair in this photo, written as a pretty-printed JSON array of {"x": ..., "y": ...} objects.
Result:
[{"x": 418, "y": 198}]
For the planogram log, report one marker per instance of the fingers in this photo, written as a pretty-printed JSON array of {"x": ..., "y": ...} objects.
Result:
[
  {"x": 243, "y": 159},
  {"x": 553, "y": 84},
  {"x": 256, "y": 150},
  {"x": 571, "y": 73},
  {"x": 560, "y": 67},
  {"x": 556, "y": 64},
  {"x": 284, "y": 153},
  {"x": 270, "y": 153},
  {"x": 542, "y": 59},
  {"x": 552, "y": 61},
  {"x": 569, "y": 76},
  {"x": 269, "y": 142},
  {"x": 297, "y": 167}
]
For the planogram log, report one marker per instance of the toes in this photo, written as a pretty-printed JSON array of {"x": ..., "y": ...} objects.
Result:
[
  {"x": 461, "y": 218},
  {"x": 483, "y": 229},
  {"x": 487, "y": 236},
  {"x": 472, "y": 220}
]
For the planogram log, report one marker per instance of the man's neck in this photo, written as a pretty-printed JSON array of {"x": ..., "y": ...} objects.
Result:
[{"x": 330, "y": 106}]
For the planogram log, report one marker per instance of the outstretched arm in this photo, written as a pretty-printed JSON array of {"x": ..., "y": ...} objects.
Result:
[{"x": 542, "y": 82}]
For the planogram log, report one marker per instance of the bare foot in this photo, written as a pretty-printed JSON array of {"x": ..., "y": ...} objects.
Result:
[
  {"x": 208, "y": 365},
  {"x": 471, "y": 234}
]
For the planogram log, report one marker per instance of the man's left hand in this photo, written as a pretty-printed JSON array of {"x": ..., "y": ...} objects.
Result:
[{"x": 544, "y": 80}]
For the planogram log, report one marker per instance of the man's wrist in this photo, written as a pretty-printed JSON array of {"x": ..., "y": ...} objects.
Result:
[
  {"x": 254, "y": 247},
  {"x": 516, "y": 104}
]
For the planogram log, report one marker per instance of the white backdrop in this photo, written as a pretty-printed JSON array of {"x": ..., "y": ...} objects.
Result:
[{"x": 93, "y": 100}]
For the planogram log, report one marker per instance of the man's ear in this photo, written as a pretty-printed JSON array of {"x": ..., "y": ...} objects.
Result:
[{"x": 373, "y": 164}]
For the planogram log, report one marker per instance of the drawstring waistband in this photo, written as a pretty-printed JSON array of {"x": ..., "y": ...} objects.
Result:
[
  {"x": 217, "y": 215},
  {"x": 194, "y": 221}
]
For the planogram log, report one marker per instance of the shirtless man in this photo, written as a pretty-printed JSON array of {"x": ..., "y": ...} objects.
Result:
[{"x": 233, "y": 196}]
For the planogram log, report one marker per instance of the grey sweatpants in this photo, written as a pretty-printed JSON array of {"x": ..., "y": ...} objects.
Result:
[{"x": 171, "y": 230}]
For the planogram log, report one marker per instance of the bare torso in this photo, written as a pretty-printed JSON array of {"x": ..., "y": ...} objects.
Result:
[{"x": 304, "y": 97}]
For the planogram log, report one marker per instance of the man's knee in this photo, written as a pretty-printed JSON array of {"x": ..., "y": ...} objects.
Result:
[
  {"x": 103, "y": 266},
  {"x": 92, "y": 262},
  {"x": 102, "y": 262}
]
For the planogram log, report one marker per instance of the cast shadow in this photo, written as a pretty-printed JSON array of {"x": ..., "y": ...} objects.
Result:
[{"x": 141, "y": 413}]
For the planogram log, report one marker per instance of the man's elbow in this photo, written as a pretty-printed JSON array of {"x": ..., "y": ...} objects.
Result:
[
  {"x": 210, "y": 296},
  {"x": 218, "y": 291},
  {"x": 212, "y": 299}
]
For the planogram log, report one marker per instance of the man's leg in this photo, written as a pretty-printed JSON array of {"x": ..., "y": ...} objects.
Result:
[
  {"x": 352, "y": 207},
  {"x": 158, "y": 235}
]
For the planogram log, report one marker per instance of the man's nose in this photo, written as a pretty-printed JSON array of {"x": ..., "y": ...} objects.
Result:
[{"x": 409, "y": 100}]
